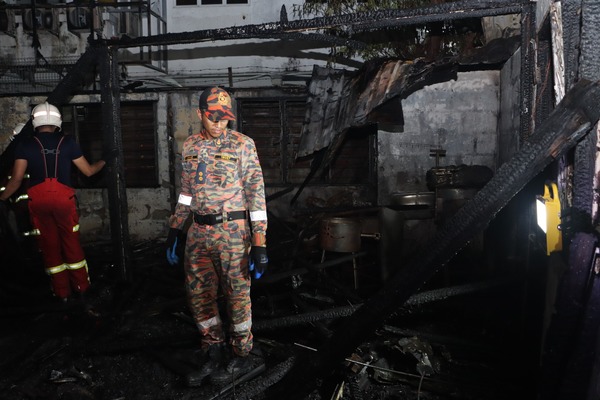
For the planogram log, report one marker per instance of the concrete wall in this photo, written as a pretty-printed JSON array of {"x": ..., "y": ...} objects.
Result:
[{"x": 457, "y": 116}]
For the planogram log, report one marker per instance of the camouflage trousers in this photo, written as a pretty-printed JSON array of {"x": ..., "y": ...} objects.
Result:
[{"x": 216, "y": 264}]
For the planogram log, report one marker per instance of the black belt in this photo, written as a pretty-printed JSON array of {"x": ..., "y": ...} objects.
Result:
[{"x": 213, "y": 219}]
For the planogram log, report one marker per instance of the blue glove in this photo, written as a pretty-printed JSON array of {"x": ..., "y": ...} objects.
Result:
[
  {"x": 258, "y": 261},
  {"x": 172, "y": 239}
]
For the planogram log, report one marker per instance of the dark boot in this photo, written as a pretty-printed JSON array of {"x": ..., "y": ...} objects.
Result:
[
  {"x": 213, "y": 361},
  {"x": 237, "y": 367}
]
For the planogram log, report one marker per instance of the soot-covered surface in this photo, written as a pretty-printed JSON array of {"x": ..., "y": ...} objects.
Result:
[{"x": 136, "y": 340}]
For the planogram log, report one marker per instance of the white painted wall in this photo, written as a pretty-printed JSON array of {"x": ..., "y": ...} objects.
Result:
[
  {"x": 199, "y": 17},
  {"x": 251, "y": 62}
]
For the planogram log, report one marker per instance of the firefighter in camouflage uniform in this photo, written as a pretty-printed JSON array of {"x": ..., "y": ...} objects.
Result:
[{"x": 222, "y": 188}]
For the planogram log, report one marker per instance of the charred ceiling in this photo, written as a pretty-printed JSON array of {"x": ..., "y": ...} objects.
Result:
[{"x": 351, "y": 22}]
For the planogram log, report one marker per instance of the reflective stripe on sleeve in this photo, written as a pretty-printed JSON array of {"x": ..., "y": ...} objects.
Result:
[
  {"x": 185, "y": 199},
  {"x": 258, "y": 215}
]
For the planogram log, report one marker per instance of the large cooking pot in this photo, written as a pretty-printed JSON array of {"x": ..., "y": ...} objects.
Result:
[{"x": 340, "y": 234}]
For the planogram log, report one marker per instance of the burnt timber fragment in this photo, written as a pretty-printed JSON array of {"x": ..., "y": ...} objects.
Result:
[{"x": 571, "y": 121}]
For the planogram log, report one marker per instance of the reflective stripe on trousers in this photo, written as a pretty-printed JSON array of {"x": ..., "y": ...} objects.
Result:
[{"x": 64, "y": 267}]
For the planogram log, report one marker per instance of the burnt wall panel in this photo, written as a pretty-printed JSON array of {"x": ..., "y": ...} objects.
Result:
[
  {"x": 261, "y": 120},
  {"x": 297, "y": 170},
  {"x": 590, "y": 36},
  {"x": 138, "y": 138},
  {"x": 571, "y": 14},
  {"x": 276, "y": 127},
  {"x": 351, "y": 165}
]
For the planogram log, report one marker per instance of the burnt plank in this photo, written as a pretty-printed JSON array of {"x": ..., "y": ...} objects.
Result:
[{"x": 567, "y": 124}]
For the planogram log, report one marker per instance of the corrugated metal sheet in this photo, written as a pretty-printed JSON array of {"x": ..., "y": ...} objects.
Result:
[{"x": 339, "y": 100}]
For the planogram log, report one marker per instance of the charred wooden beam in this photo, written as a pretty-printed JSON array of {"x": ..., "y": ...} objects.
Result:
[
  {"x": 271, "y": 278},
  {"x": 527, "y": 77},
  {"x": 355, "y": 21},
  {"x": 571, "y": 13},
  {"x": 323, "y": 38},
  {"x": 571, "y": 340},
  {"x": 303, "y": 319},
  {"x": 566, "y": 126},
  {"x": 417, "y": 300},
  {"x": 117, "y": 193},
  {"x": 76, "y": 77}
]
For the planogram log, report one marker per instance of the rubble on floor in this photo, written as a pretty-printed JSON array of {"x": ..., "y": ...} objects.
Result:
[{"x": 136, "y": 340}]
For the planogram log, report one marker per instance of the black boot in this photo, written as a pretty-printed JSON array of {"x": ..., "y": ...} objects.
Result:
[
  {"x": 213, "y": 361},
  {"x": 237, "y": 367}
]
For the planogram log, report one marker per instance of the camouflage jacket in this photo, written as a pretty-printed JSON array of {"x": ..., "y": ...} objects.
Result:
[{"x": 221, "y": 174}]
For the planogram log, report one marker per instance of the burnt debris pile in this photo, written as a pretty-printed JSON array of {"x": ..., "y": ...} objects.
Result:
[{"x": 137, "y": 340}]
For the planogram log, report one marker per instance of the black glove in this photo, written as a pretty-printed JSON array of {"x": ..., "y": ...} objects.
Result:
[
  {"x": 258, "y": 261},
  {"x": 109, "y": 154},
  {"x": 574, "y": 220},
  {"x": 4, "y": 227},
  {"x": 172, "y": 241},
  {"x": 4, "y": 209}
]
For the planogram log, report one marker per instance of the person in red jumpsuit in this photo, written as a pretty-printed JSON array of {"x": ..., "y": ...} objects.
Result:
[
  {"x": 222, "y": 189},
  {"x": 48, "y": 157}
]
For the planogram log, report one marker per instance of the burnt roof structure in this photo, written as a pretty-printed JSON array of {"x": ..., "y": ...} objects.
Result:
[{"x": 353, "y": 100}]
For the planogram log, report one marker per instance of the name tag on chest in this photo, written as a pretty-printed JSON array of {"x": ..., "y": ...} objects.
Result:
[{"x": 226, "y": 157}]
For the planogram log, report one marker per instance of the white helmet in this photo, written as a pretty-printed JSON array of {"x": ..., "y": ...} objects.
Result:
[
  {"x": 17, "y": 129},
  {"x": 46, "y": 114}
]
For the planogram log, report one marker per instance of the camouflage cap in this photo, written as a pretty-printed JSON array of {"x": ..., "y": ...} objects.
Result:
[{"x": 216, "y": 104}]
